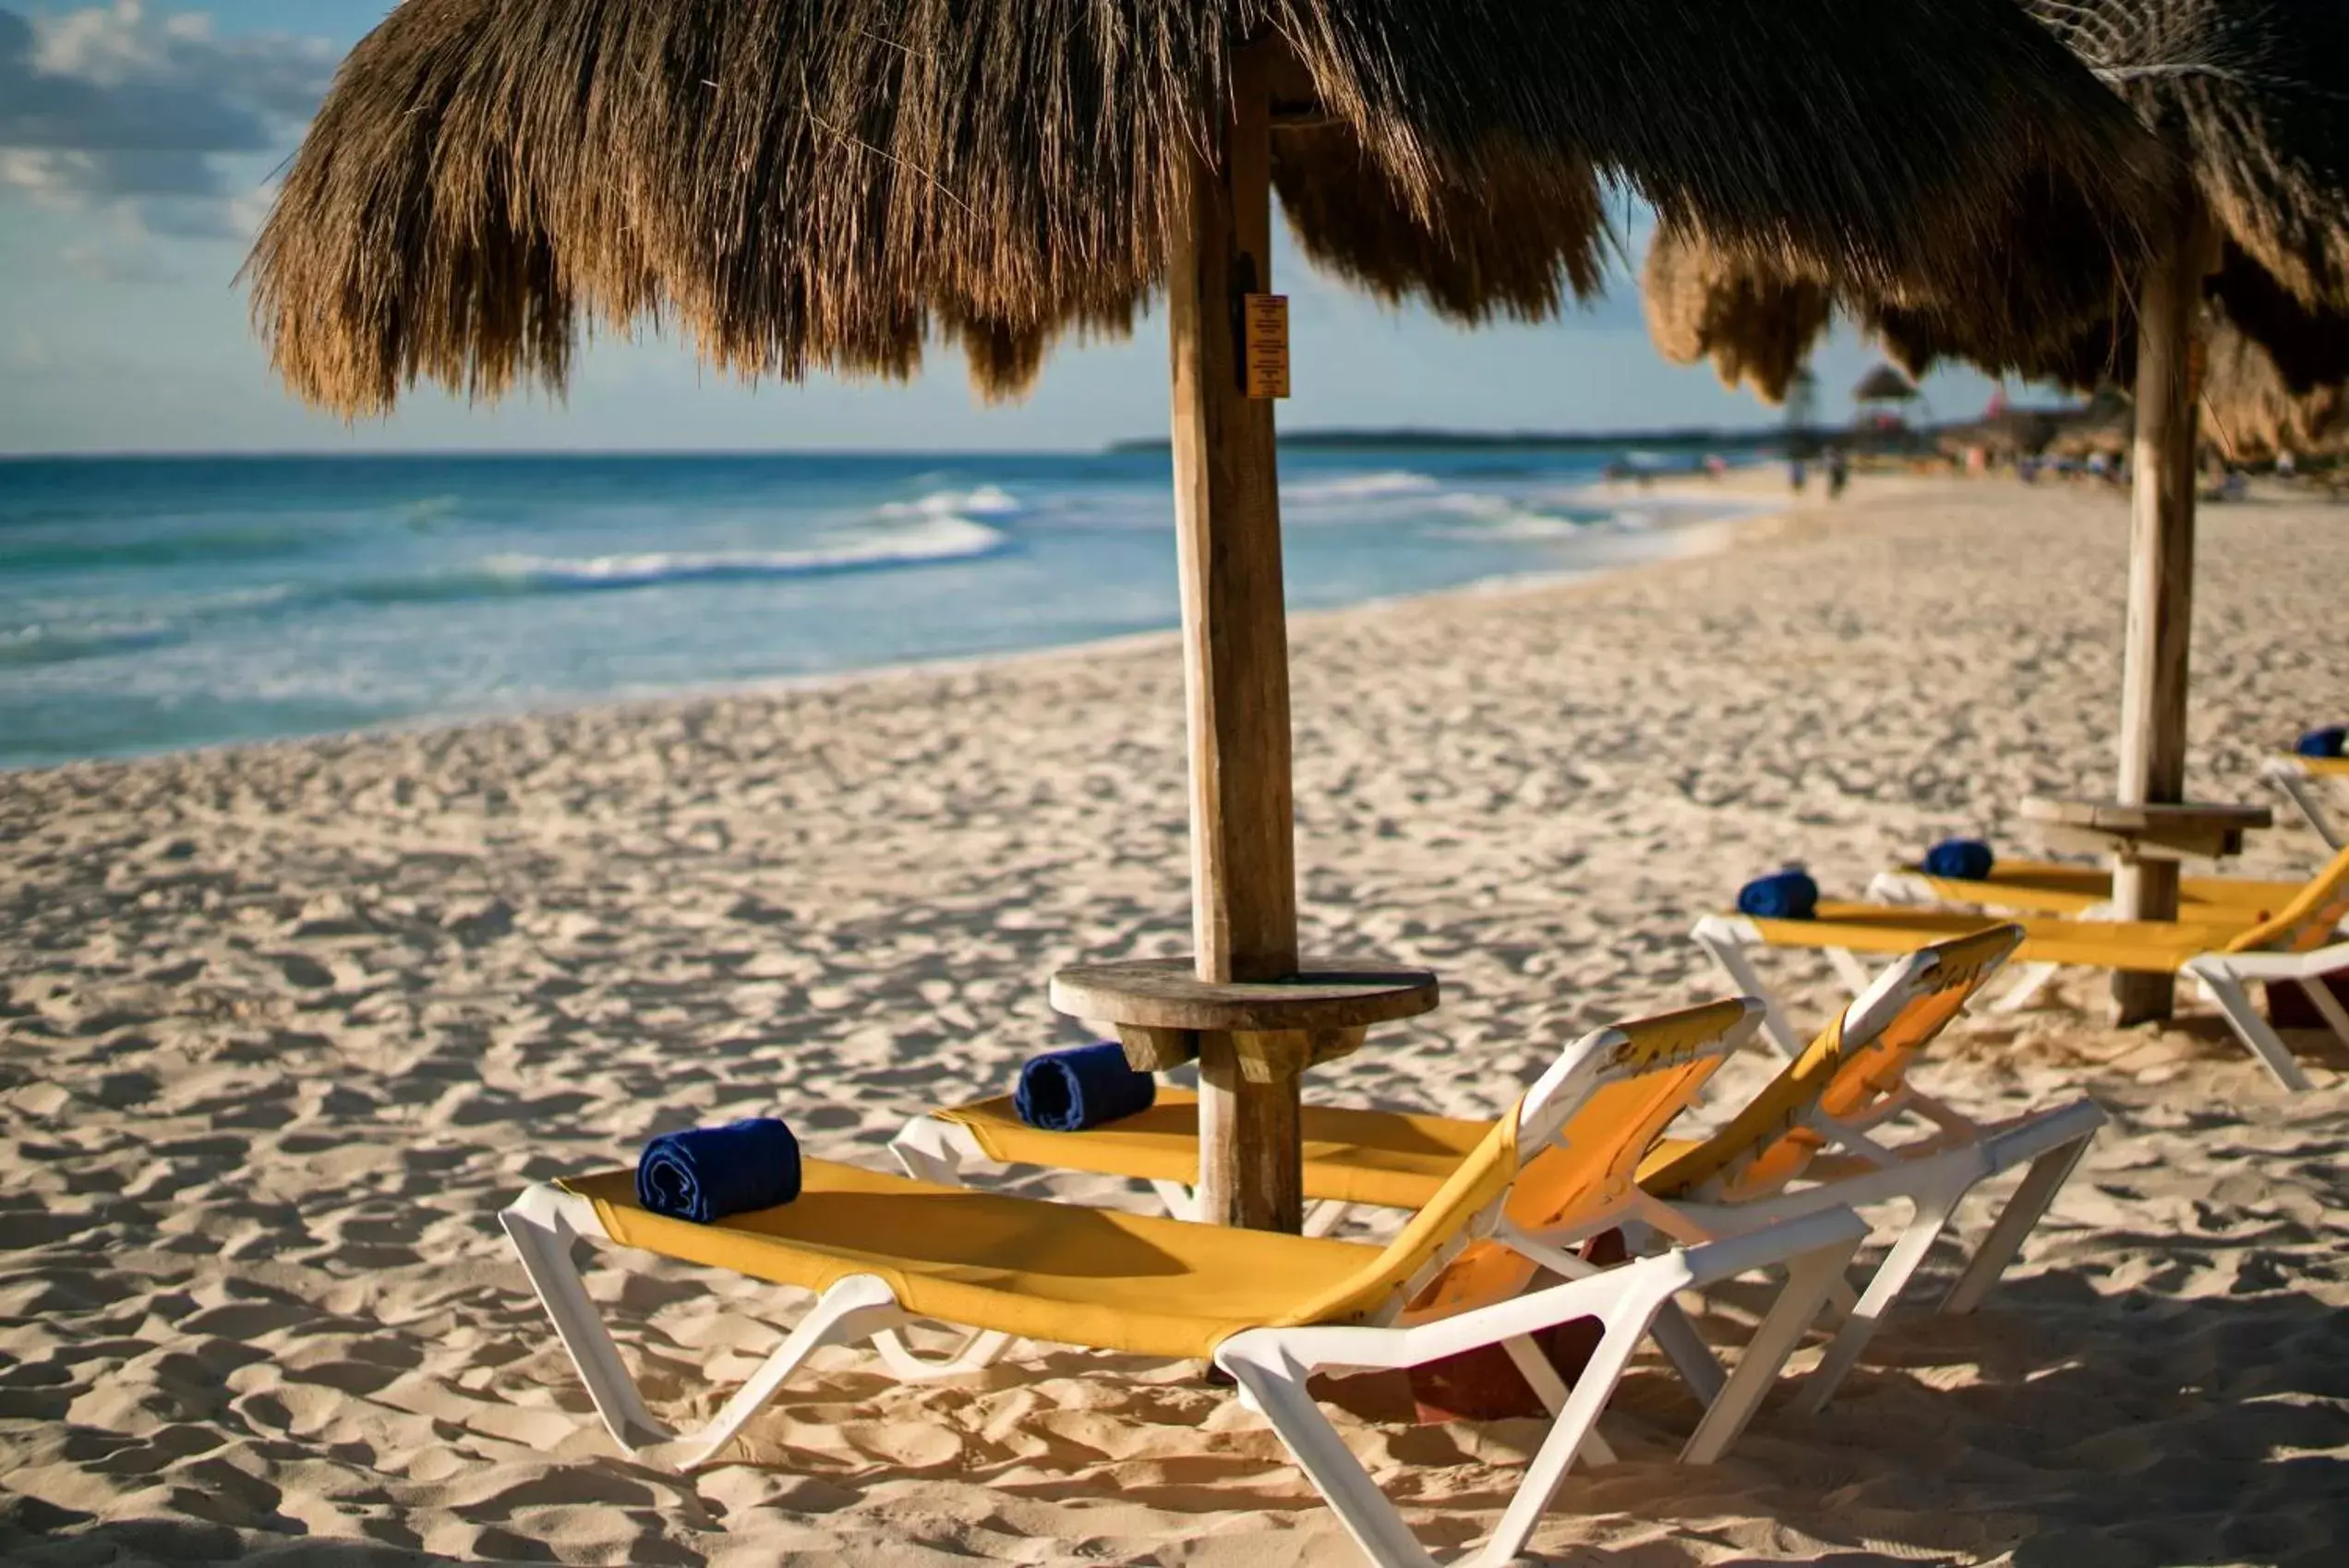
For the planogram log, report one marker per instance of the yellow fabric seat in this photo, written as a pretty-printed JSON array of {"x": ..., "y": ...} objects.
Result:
[
  {"x": 1167, "y": 1288},
  {"x": 2304, "y": 922},
  {"x": 2049, "y": 887},
  {"x": 1041, "y": 1271},
  {"x": 1775, "y": 1139},
  {"x": 2323, "y": 767},
  {"x": 1385, "y": 1158},
  {"x": 2150, "y": 946}
]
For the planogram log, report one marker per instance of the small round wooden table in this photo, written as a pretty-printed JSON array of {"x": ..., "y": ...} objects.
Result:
[
  {"x": 2190, "y": 830},
  {"x": 1253, "y": 1040},
  {"x": 2146, "y": 843}
]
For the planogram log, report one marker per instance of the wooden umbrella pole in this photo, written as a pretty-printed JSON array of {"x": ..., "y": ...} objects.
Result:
[
  {"x": 1227, "y": 514},
  {"x": 2161, "y": 601}
]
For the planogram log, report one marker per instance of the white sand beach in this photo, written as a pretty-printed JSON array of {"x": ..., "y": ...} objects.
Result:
[{"x": 282, "y": 1028}]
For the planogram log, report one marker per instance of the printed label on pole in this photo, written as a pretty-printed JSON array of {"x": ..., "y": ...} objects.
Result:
[{"x": 1267, "y": 342}]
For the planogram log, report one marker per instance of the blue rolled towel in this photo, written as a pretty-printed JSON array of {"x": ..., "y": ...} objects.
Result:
[
  {"x": 1783, "y": 895},
  {"x": 707, "y": 1173},
  {"x": 1083, "y": 1086},
  {"x": 2326, "y": 743},
  {"x": 1965, "y": 860}
]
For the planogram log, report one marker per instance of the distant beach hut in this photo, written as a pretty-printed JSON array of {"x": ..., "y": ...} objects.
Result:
[
  {"x": 805, "y": 186},
  {"x": 1882, "y": 399},
  {"x": 1884, "y": 386},
  {"x": 2242, "y": 318}
]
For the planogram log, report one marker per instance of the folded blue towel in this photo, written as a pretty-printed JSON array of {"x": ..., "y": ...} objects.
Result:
[
  {"x": 1784, "y": 895},
  {"x": 2326, "y": 743},
  {"x": 1966, "y": 860},
  {"x": 1083, "y": 1086},
  {"x": 707, "y": 1173}
]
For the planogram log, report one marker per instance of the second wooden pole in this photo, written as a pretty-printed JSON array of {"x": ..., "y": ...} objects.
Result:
[
  {"x": 1227, "y": 514},
  {"x": 2161, "y": 593}
]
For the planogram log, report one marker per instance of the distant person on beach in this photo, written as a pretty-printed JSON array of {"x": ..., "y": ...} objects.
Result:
[
  {"x": 1839, "y": 472},
  {"x": 2287, "y": 466},
  {"x": 1798, "y": 475},
  {"x": 1716, "y": 465}
]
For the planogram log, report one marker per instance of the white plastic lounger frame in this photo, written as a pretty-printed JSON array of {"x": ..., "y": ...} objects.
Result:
[
  {"x": 1933, "y": 1174},
  {"x": 1272, "y": 1365},
  {"x": 2292, "y": 775}
]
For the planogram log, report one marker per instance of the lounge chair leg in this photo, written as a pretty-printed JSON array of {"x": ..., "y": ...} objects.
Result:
[
  {"x": 2040, "y": 1183},
  {"x": 2227, "y": 993},
  {"x": 1810, "y": 1278},
  {"x": 2320, "y": 994},
  {"x": 1543, "y": 1379},
  {"x": 2302, "y": 790},
  {"x": 858, "y": 1306},
  {"x": 1272, "y": 1365},
  {"x": 1690, "y": 1355},
  {"x": 1850, "y": 969},
  {"x": 979, "y": 1350},
  {"x": 543, "y": 1241},
  {"x": 1728, "y": 952},
  {"x": 1275, "y": 1384},
  {"x": 1567, "y": 1434},
  {"x": 930, "y": 1149},
  {"x": 1892, "y": 1276},
  {"x": 1325, "y": 1217},
  {"x": 2029, "y": 982}
]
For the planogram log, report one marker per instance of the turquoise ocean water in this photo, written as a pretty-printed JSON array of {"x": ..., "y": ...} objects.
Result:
[{"x": 152, "y": 603}]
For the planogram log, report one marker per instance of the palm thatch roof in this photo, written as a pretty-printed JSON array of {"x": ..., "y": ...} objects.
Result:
[
  {"x": 2251, "y": 412},
  {"x": 2252, "y": 96},
  {"x": 805, "y": 185},
  {"x": 1752, "y": 320}
]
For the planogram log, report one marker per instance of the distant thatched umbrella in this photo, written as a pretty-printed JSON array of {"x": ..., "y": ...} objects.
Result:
[
  {"x": 2106, "y": 427},
  {"x": 2252, "y": 99},
  {"x": 826, "y": 184},
  {"x": 1885, "y": 384},
  {"x": 2010, "y": 433}
]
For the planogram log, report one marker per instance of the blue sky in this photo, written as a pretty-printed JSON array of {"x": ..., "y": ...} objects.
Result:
[{"x": 137, "y": 146}]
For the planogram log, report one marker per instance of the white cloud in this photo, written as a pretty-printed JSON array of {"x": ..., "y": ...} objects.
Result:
[{"x": 111, "y": 108}]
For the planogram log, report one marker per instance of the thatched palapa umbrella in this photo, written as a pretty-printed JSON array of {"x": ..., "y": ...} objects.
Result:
[
  {"x": 2251, "y": 98},
  {"x": 828, "y": 185}
]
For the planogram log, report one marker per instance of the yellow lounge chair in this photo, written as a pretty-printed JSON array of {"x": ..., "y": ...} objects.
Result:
[
  {"x": 1812, "y": 1139},
  {"x": 2298, "y": 777},
  {"x": 1821, "y": 1135},
  {"x": 883, "y": 1250},
  {"x": 2298, "y": 944},
  {"x": 2084, "y": 892}
]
